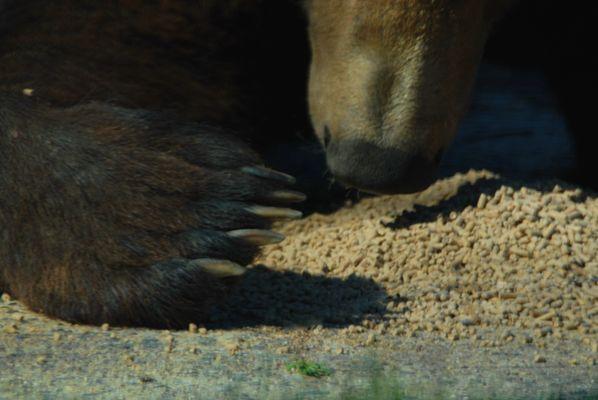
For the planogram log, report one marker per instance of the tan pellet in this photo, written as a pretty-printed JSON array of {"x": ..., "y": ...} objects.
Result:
[{"x": 517, "y": 264}]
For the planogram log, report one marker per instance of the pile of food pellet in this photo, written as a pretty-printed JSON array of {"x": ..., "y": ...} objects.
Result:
[{"x": 473, "y": 257}]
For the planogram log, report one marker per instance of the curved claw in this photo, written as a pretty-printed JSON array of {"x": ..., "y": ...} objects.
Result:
[
  {"x": 257, "y": 237},
  {"x": 275, "y": 212},
  {"x": 267, "y": 173},
  {"x": 219, "y": 268},
  {"x": 290, "y": 196}
]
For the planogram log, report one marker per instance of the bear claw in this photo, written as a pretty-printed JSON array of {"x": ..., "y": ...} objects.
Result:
[
  {"x": 257, "y": 237},
  {"x": 219, "y": 268},
  {"x": 275, "y": 212},
  {"x": 289, "y": 196},
  {"x": 267, "y": 173}
]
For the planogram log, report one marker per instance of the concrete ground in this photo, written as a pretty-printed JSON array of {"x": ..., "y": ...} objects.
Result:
[
  {"x": 42, "y": 358},
  {"x": 515, "y": 132}
]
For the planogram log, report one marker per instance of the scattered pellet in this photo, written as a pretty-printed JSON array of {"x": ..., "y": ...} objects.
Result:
[
  {"x": 371, "y": 339},
  {"x": 539, "y": 359},
  {"x": 10, "y": 328}
]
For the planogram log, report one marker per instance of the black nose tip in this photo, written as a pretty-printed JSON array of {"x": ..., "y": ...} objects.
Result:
[{"x": 380, "y": 170}]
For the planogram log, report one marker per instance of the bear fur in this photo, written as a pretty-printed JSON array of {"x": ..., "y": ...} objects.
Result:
[{"x": 130, "y": 142}]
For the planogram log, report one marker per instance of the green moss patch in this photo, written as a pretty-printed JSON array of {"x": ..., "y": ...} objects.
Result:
[{"x": 308, "y": 368}]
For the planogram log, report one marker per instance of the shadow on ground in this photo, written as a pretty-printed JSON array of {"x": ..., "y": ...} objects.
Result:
[{"x": 267, "y": 297}]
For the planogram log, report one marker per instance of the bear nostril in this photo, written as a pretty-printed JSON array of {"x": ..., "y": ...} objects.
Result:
[{"x": 327, "y": 136}]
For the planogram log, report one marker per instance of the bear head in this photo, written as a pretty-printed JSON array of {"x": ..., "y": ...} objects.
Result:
[{"x": 389, "y": 81}]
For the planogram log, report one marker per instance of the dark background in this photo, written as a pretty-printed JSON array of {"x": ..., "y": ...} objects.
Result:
[{"x": 556, "y": 42}]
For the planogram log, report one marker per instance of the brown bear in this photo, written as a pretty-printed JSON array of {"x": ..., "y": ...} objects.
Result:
[{"x": 133, "y": 191}]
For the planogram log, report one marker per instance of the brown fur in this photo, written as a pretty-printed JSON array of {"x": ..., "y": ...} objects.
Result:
[{"x": 202, "y": 61}]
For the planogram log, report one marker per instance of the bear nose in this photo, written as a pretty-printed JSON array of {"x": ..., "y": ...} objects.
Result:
[{"x": 371, "y": 168}]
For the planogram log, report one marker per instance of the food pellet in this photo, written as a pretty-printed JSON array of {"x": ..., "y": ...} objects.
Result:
[{"x": 539, "y": 359}]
